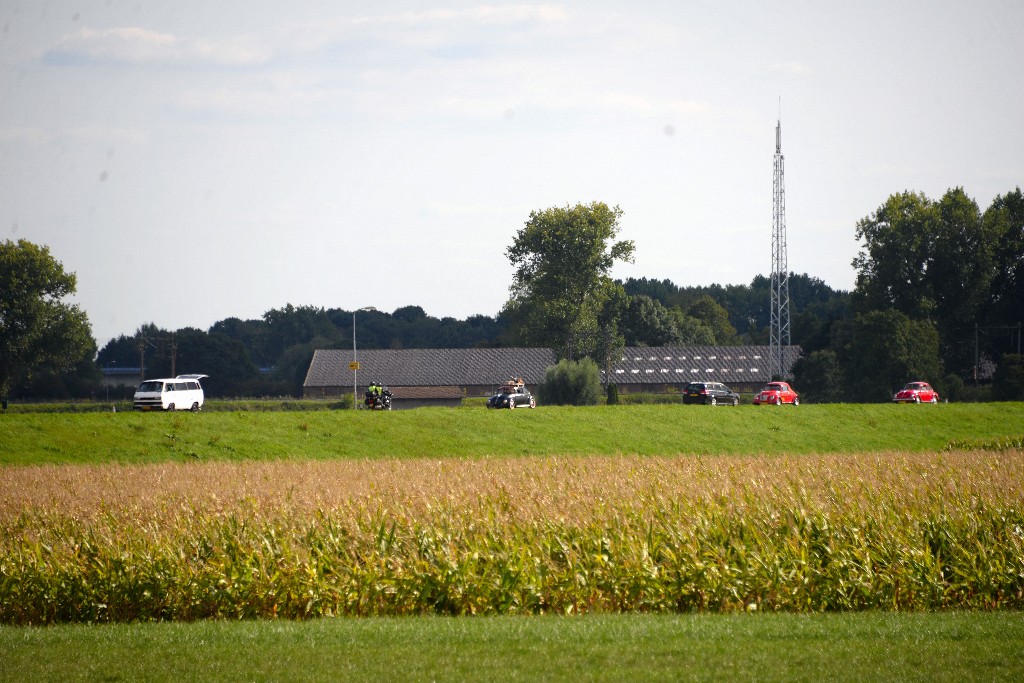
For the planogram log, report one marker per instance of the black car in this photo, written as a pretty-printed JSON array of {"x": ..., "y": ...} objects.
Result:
[
  {"x": 710, "y": 393},
  {"x": 511, "y": 395}
]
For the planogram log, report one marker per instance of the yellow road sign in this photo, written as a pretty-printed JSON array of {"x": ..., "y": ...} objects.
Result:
[{"x": 354, "y": 365}]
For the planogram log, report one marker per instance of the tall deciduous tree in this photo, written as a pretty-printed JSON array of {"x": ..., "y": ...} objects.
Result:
[
  {"x": 37, "y": 328},
  {"x": 893, "y": 262},
  {"x": 930, "y": 261},
  {"x": 820, "y": 377},
  {"x": 714, "y": 315},
  {"x": 646, "y": 322},
  {"x": 882, "y": 350},
  {"x": 563, "y": 259},
  {"x": 1005, "y": 219}
]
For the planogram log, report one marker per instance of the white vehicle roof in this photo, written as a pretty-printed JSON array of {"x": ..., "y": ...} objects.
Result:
[{"x": 172, "y": 379}]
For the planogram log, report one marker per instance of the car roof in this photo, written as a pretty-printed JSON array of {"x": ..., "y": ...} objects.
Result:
[{"x": 179, "y": 378}]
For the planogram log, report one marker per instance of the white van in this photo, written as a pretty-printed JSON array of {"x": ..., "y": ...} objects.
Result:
[{"x": 181, "y": 393}]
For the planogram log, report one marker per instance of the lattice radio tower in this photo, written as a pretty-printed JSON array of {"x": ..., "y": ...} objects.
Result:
[{"x": 780, "y": 338}]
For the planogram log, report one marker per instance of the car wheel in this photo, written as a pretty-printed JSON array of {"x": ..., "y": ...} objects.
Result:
[
  {"x": 935, "y": 399},
  {"x": 511, "y": 404},
  {"x": 796, "y": 401},
  {"x": 735, "y": 402},
  {"x": 533, "y": 402},
  {"x": 778, "y": 400},
  {"x": 170, "y": 407},
  {"x": 195, "y": 407},
  {"x": 713, "y": 401},
  {"x": 917, "y": 399}
]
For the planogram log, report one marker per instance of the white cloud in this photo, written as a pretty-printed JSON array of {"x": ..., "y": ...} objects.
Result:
[
  {"x": 484, "y": 14},
  {"x": 107, "y": 135},
  {"x": 135, "y": 45},
  {"x": 784, "y": 68}
]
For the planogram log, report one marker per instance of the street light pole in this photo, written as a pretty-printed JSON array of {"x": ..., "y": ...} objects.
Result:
[{"x": 355, "y": 358}]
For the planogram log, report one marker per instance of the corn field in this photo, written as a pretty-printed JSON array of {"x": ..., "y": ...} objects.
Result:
[{"x": 888, "y": 531}]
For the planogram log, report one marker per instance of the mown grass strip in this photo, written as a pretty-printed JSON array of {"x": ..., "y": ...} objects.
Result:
[
  {"x": 868, "y": 646},
  {"x": 548, "y": 431}
]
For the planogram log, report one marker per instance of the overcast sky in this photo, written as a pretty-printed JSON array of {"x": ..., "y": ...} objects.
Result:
[{"x": 196, "y": 160}]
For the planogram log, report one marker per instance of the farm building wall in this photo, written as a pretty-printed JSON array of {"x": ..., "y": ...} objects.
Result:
[{"x": 420, "y": 377}]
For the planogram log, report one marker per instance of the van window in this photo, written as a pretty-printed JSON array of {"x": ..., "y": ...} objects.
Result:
[
  {"x": 194, "y": 386},
  {"x": 151, "y": 386},
  {"x": 180, "y": 386}
]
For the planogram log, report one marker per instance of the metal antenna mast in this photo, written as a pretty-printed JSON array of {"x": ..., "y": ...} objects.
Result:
[{"x": 780, "y": 337}]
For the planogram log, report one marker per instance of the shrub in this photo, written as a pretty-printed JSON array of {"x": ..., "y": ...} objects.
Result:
[
  {"x": 952, "y": 388},
  {"x": 1008, "y": 382},
  {"x": 575, "y": 383}
]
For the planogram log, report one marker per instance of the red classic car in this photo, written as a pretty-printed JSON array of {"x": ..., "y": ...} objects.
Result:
[
  {"x": 916, "y": 392},
  {"x": 777, "y": 393}
]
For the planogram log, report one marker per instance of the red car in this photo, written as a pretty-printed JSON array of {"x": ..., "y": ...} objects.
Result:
[
  {"x": 916, "y": 392},
  {"x": 777, "y": 393}
]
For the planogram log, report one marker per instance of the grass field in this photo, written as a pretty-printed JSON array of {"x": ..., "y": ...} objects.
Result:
[
  {"x": 696, "y": 543},
  {"x": 873, "y": 646},
  {"x": 27, "y": 438}
]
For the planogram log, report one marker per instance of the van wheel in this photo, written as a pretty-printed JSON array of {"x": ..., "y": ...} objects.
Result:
[
  {"x": 170, "y": 407},
  {"x": 195, "y": 407}
]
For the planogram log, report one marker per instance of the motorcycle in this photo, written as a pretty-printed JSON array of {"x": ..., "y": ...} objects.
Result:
[{"x": 381, "y": 401}]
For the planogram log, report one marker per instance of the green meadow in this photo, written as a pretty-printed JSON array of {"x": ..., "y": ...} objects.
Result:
[
  {"x": 650, "y": 542},
  {"x": 873, "y": 646},
  {"x": 649, "y": 430}
]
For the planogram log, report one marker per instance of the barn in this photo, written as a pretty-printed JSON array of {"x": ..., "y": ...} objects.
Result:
[
  {"x": 443, "y": 377},
  {"x": 420, "y": 377}
]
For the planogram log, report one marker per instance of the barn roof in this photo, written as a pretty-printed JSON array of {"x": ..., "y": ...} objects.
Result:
[
  {"x": 476, "y": 367},
  {"x": 681, "y": 364},
  {"x": 429, "y": 367}
]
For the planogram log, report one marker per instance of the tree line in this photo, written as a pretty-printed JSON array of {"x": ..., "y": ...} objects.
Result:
[{"x": 939, "y": 296}]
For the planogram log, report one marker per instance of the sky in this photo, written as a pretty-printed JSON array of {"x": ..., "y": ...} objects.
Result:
[{"x": 193, "y": 161}]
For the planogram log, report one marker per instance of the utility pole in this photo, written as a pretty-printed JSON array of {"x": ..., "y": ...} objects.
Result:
[
  {"x": 174, "y": 354},
  {"x": 780, "y": 333}
]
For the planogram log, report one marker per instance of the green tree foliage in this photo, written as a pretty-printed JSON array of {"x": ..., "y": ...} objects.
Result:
[
  {"x": 820, "y": 377},
  {"x": 1005, "y": 220},
  {"x": 930, "y": 261},
  {"x": 1008, "y": 382},
  {"x": 225, "y": 360},
  {"x": 574, "y": 383},
  {"x": 714, "y": 316},
  {"x": 122, "y": 352},
  {"x": 293, "y": 325},
  {"x": 692, "y": 332},
  {"x": 646, "y": 322},
  {"x": 37, "y": 328},
  {"x": 254, "y": 335},
  {"x": 47, "y": 382},
  {"x": 611, "y": 340},
  {"x": 882, "y": 350},
  {"x": 233, "y": 349},
  {"x": 891, "y": 267},
  {"x": 814, "y": 306},
  {"x": 562, "y": 259}
]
